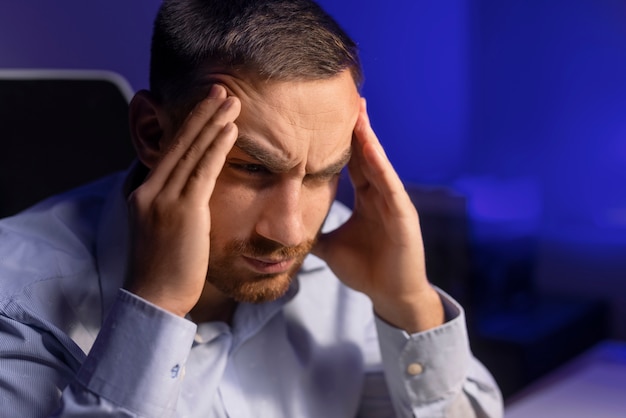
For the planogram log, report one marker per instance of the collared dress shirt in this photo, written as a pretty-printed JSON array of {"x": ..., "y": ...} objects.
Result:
[{"x": 73, "y": 343}]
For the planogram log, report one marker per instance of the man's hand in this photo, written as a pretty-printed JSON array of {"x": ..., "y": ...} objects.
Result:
[
  {"x": 379, "y": 250},
  {"x": 170, "y": 217}
]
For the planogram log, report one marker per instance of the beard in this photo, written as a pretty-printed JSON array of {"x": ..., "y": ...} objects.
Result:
[{"x": 245, "y": 285}]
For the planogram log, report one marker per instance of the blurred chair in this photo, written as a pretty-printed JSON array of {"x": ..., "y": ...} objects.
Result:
[
  {"x": 445, "y": 231},
  {"x": 59, "y": 129}
]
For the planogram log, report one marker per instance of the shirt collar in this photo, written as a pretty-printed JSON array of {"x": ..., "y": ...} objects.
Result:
[{"x": 312, "y": 263}]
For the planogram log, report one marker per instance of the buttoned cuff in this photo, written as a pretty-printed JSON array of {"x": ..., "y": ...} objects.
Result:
[
  {"x": 139, "y": 356},
  {"x": 427, "y": 367}
]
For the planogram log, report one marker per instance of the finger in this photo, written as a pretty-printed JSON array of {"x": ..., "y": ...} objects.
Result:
[
  {"x": 360, "y": 169},
  {"x": 355, "y": 167},
  {"x": 201, "y": 182},
  {"x": 188, "y": 164},
  {"x": 188, "y": 132},
  {"x": 375, "y": 169},
  {"x": 356, "y": 163}
]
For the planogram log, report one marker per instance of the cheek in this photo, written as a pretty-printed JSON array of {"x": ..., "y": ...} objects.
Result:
[{"x": 232, "y": 211}]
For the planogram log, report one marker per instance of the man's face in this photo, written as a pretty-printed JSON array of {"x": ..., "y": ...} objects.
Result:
[{"x": 278, "y": 181}]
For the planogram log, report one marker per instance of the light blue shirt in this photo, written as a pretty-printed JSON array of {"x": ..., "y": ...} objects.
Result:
[{"x": 74, "y": 344}]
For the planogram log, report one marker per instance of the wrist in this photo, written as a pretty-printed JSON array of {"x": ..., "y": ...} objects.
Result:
[
  {"x": 162, "y": 299},
  {"x": 412, "y": 313}
]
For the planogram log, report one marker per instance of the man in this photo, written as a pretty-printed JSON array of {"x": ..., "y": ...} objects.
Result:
[{"x": 192, "y": 269}]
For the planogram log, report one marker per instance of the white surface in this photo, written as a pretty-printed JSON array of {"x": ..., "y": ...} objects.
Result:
[{"x": 591, "y": 387}]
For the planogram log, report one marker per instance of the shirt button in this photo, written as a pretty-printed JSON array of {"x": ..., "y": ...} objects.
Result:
[{"x": 414, "y": 369}]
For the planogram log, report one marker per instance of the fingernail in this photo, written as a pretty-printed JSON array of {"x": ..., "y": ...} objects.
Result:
[{"x": 214, "y": 92}]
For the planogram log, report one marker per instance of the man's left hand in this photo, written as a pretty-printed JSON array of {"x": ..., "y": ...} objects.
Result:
[{"x": 379, "y": 250}]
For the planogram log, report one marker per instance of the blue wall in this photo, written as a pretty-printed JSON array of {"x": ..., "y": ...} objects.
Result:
[
  {"x": 547, "y": 142},
  {"x": 415, "y": 58},
  {"x": 548, "y": 100},
  {"x": 111, "y": 34}
]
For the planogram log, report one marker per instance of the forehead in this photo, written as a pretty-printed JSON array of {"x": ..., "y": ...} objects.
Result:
[{"x": 302, "y": 121}]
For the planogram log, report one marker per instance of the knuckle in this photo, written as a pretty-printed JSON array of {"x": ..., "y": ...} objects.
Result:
[
  {"x": 138, "y": 198},
  {"x": 175, "y": 146},
  {"x": 164, "y": 211},
  {"x": 228, "y": 111},
  {"x": 203, "y": 110},
  {"x": 202, "y": 175},
  {"x": 192, "y": 152}
]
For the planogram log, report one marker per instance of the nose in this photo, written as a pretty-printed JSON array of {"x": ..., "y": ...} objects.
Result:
[{"x": 281, "y": 217}]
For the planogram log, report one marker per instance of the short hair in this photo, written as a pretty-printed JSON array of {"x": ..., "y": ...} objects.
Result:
[{"x": 282, "y": 40}]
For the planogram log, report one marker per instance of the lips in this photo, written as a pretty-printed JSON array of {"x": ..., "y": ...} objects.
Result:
[{"x": 269, "y": 266}]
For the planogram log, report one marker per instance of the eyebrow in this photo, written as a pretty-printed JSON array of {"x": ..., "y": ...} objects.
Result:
[{"x": 278, "y": 165}]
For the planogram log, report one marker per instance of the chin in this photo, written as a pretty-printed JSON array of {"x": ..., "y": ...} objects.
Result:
[{"x": 261, "y": 290}]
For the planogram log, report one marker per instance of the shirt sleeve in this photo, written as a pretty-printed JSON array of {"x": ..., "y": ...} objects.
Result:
[
  {"x": 433, "y": 373},
  {"x": 144, "y": 381}
]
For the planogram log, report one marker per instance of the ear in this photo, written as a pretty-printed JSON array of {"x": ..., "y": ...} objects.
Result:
[{"x": 147, "y": 127}]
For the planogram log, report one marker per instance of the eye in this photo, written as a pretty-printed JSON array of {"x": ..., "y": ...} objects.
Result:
[{"x": 251, "y": 169}]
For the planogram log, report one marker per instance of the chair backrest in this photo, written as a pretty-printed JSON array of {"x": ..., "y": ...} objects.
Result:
[
  {"x": 446, "y": 235},
  {"x": 59, "y": 129}
]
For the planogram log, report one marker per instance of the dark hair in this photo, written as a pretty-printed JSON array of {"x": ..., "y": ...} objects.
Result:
[{"x": 280, "y": 40}]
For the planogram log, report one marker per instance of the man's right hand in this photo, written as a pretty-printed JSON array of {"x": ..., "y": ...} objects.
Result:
[{"x": 169, "y": 213}]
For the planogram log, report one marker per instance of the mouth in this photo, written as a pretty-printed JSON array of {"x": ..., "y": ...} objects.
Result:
[{"x": 269, "y": 266}]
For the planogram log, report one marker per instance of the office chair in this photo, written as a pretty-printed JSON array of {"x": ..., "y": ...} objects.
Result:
[{"x": 59, "y": 129}]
